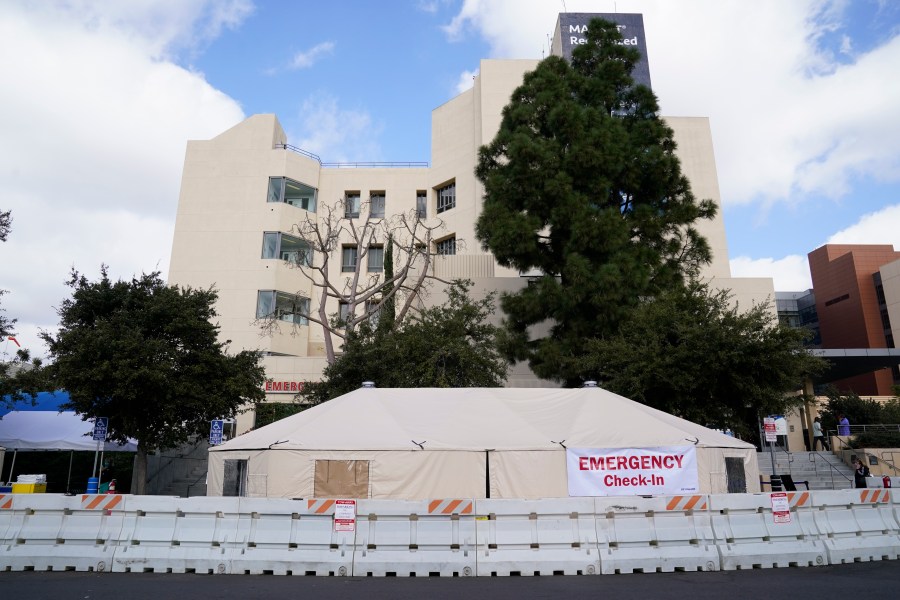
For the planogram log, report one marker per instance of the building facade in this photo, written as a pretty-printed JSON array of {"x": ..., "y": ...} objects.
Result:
[
  {"x": 857, "y": 292},
  {"x": 244, "y": 192}
]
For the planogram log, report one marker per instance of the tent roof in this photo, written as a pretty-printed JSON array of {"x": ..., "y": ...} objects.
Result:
[
  {"x": 41, "y": 426},
  {"x": 478, "y": 419}
]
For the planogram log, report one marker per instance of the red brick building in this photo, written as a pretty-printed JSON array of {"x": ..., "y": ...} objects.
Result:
[{"x": 846, "y": 281}]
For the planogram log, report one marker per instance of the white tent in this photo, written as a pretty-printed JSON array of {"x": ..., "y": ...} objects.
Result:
[
  {"x": 460, "y": 442},
  {"x": 48, "y": 430}
]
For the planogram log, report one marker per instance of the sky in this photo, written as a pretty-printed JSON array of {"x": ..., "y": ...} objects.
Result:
[{"x": 99, "y": 98}]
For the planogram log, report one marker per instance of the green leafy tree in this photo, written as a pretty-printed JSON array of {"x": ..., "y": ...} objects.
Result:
[
  {"x": 451, "y": 345},
  {"x": 693, "y": 353},
  {"x": 583, "y": 185},
  {"x": 147, "y": 356}
]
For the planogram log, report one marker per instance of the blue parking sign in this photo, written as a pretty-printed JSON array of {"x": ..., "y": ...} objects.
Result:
[
  {"x": 215, "y": 433},
  {"x": 100, "y": 428}
]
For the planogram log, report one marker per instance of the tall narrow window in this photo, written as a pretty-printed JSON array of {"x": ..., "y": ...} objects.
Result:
[
  {"x": 351, "y": 205},
  {"x": 446, "y": 197},
  {"x": 421, "y": 204},
  {"x": 376, "y": 259},
  {"x": 376, "y": 205},
  {"x": 282, "y": 306},
  {"x": 282, "y": 189},
  {"x": 447, "y": 245},
  {"x": 349, "y": 256}
]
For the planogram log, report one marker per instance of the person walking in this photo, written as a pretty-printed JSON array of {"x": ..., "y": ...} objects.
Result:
[
  {"x": 843, "y": 425},
  {"x": 818, "y": 435}
]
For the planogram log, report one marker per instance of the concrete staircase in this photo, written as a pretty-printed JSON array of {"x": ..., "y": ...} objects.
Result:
[
  {"x": 823, "y": 470},
  {"x": 192, "y": 485}
]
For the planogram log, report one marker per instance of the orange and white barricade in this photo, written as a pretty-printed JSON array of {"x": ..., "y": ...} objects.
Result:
[
  {"x": 291, "y": 537},
  {"x": 554, "y": 536},
  {"x": 415, "y": 538},
  {"x": 755, "y": 531},
  {"x": 53, "y": 532},
  {"x": 857, "y": 525},
  {"x": 655, "y": 534}
]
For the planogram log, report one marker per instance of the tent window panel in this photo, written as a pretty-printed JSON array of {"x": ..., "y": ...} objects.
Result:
[
  {"x": 734, "y": 472},
  {"x": 234, "y": 483},
  {"x": 341, "y": 479}
]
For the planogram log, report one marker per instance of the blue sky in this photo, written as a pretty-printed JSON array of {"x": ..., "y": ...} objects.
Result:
[{"x": 102, "y": 95}]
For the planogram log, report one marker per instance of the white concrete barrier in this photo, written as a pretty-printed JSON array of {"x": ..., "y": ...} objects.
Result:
[
  {"x": 536, "y": 537},
  {"x": 415, "y": 538},
  {"x": 448, "y": 537},
  {"x": 664, "y": 533},
  {"x": 750, "y": 535},
  {"x": 291, "y": 537},
  {"x": 176, "y": 535},
  {"x": 857, "y": 525},
  {"x": 32, "y": 535}
]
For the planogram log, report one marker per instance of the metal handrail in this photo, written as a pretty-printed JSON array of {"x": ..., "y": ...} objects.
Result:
[
  {"x": 813, "y": 455},
  {"x": 305, "y": 153},
  {"x": 378, "y": 165},
  {"x": 196, "y": 481},
  {"x": 352, "y": 165}
]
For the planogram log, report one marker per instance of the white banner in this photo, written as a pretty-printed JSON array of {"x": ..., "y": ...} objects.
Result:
[{"x": 632, "y": 471}]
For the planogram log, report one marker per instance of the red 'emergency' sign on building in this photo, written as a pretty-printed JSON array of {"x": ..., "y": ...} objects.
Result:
[{"x": 632, "y": 471}]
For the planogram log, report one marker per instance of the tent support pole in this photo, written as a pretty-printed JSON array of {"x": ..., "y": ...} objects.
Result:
[
  {"x": 12, "y": 467},
  {"x": 69, "y": 478},
  {"x": 487, "y": 473}
]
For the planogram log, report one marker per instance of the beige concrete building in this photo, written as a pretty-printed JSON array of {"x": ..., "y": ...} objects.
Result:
[{"x": 244, "y": 191}]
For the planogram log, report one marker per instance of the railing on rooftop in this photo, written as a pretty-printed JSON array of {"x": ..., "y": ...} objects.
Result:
[{"x": 352, "y": 165}]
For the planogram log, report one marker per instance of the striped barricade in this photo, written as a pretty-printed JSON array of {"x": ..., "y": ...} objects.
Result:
[
  {"x": 291, "y": 537},
  {"x": 7, "y": 518},
  {"x": 536, "y": 537},
  {"x": 163, "y": 534},
  {"x": 655, "y": 534},
  {"x": 857, "y": 525},
  {"x": 750, "y": 534},
  {"x": 415, "y": 538}
]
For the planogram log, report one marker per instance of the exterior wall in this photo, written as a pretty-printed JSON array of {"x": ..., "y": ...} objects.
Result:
[
  {"x": 223, "y": 213},
  {"x": 890, "y": 282},
  {"x": 847, "y": 305}
]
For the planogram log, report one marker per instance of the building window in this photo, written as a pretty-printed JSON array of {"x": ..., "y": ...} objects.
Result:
[
  {"x": 373, "y": 311},
  {"x": 421, "y": 204},
  {"x": 351, "y": 205},
  {"x": 349, "y": 256},
  {"x": 447, "y": 245},
  {"x": 376, "y": 205},
  {"x": 446, "y": 197},
  {"x": 282, "y": 189},
  {"x": 376, "y": 259},
  {"x": 282, "y": 306},
  {"x": 286, "y": 247}
]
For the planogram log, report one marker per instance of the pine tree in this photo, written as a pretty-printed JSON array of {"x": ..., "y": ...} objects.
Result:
[{"x": 582, "y": 184}]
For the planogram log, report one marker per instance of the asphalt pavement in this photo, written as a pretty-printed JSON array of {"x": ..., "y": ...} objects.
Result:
[{"x": 871, "y": 580}]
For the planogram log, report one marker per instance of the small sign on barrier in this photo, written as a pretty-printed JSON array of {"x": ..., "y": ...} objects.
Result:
[
  {"x": 781, "y": 507},
  {"x": 345, "y": 515}
]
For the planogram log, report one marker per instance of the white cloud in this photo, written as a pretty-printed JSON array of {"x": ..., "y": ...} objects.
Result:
[
  {"x": 788, "y": 117},
  {"x": 335, "y": 133},
  {"x": 94, "y": 138},
  {"x": 304, "y": 60},
  {"x": 880, "y": 227},
  {"x": 790, "y": 273}
]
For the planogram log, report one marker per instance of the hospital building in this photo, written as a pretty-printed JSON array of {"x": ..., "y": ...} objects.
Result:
[{"x": 244, "y": 191}]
